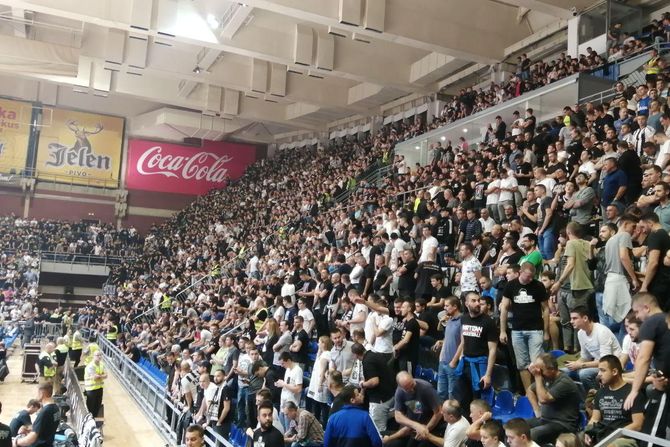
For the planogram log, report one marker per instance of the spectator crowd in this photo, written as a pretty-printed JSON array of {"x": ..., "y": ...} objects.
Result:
[{"x": 537, "y": 261}]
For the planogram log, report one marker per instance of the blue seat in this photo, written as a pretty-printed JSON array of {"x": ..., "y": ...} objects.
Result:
[
  {"x": 556, "y": 353},
  {"x": 418, "y": 370},
  {"x": 583, "y": 420},
  {"x": 523, "y": 409},
  {"x": 504, "y": 404}
]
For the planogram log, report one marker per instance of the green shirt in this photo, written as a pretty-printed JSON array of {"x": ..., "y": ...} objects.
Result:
[
  {"x": 535, "y": 258},
  {"x": 580, "y": 250}
]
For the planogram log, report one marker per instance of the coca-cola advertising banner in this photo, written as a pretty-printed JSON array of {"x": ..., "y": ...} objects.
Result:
[{"x": 174, "y": 168}]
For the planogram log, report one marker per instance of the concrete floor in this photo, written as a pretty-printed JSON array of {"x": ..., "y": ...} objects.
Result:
[{"x": 125, "y": 424}]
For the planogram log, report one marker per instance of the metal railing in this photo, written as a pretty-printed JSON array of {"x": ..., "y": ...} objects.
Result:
[
  {"x": 622, "y": 432},
  {"x": 601, "y": 97},
  {"x": 90, "y": 259},
  {"x": 82, "y": 420},
  {"x": 151, "y": 396}
]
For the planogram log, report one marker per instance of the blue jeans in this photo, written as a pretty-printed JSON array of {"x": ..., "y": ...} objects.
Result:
[
  {"x": 242, "y": 393},
  {"x": 527, "y": 347},
  {"x": 547, "y": 244},
  {"x": 588, "y": 377},
  {"x": 618, "y": 329},
  {"x": 446, "y": 381}
]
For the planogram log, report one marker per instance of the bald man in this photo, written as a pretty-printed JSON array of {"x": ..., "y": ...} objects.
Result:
[{"x": 417, "y": 410}]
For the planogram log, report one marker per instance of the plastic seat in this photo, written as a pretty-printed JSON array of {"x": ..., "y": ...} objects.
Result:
[
  {"x": 556, "y": 353},
  {"x": 583, "y": 420},
  {"x": 523, "y": 408},
  {"x": 418, "y": 370},
  {"x": 504, "y": 404}
]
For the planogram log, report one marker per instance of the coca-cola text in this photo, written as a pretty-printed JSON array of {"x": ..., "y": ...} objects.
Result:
[{"x": 199, "y": 166}]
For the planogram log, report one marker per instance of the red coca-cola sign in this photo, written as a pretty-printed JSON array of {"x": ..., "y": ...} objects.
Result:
[{"x": 165, "y": 167}]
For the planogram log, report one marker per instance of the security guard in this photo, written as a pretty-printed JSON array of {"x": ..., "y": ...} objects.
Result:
[
  {"x": 61, "y": 355},
  {"x": 166, "y": 303},
  {"x": 112, "y": 331},
  {"x": 652, "y": 68},
  {"x": 47, "y": 364},
  {"x": 75, "y": 343},
  {"x": 94, "y": 381},
  {"x": 90, "y": 350}
]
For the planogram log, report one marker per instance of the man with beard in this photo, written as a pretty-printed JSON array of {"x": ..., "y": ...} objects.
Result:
[
  {"x": 267, "y": 435},
  {"x": 219, "y": 414},
  {"x": 479, "y": 341}
]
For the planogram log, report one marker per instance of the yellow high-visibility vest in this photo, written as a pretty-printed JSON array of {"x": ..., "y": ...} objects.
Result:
[
  {"x": 652, "y": 66},
  {"x": 90, "y": 382},
  {"x": 62, "y": 349},
  {"x": 112, "y": 333},
  {"x": 75, "y": 343},
  {"x": 166, "y": 303},
  {"x": 49, "y": 371}
]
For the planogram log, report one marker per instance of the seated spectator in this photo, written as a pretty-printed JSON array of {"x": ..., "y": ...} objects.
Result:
[
  {"x": 491, "y": 434},
  {"x": 480, "y": 413},
  {"x": 267, "y": 433},
  {"x": 304, "y": 429},
  {"x": 596, "y": 341},
  {"x": 417, "y": 408},
  {"x": 457, "y": 426},
  {"x": 517, "y": 432},
  {"x": 21, "y": 423},
  {"x": 608, "y": 411},
  {"x": 555, "y": 400}
]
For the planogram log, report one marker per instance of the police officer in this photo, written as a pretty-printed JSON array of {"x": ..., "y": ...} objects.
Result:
[{"x": 94, "y": 381}]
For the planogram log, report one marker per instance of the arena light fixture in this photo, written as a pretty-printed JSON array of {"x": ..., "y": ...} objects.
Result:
[
  {"x": 443, "y": 138},
  {"x": 465, "y": 130},
  {"x": 197, "y": 69},
  {"x": 212, "y": 21},
  {"x": 417, "y": 147}
]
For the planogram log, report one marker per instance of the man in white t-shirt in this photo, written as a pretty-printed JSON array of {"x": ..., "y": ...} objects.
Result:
[
  {"x": 307, "y": 316},
  {"x": 291, "y": 386},
  {"x": 492, "y": 193},
  {"x": 508, "y": 187},
  {"x": 209, "y": 390},
  {"x": 596, "y": 341},
  {"x": 428, "y": 246},
  {"x": 455, "y": 434}
]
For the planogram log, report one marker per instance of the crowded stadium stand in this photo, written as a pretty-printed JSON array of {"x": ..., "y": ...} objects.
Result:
[{"x": 285, "y": 223}]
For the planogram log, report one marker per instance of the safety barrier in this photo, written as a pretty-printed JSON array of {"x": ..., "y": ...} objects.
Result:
[
  {"x": 44, "y": 331},
  {"x": 82, "y": 420},
  {"x": 622, "y": 432},
  {"x": 151, "y": 396}
]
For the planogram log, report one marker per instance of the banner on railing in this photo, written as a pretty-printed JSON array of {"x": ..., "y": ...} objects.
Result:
[
  {"x": 81, "y": 148},
  {"x": 15, "y": 117},
  {"x": 174, "y": 168}
]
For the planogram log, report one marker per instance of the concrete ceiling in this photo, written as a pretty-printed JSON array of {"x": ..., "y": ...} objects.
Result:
[{"x": 264, "y": 66}]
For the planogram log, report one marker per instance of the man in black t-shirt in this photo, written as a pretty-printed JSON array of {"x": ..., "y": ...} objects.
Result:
[
  {"x": 378, "y": 388},
  {"x": 407, "y": 349},
  {"x": 22, "y": 418},
  {"x": 526, "y": 298},
  {"x": 657, "y": 274},
  {"x": 654, "y": 339},
  {"x": 267, "y": 435},
  {"x": 405, "y": 273},
  {"x": 47, "y": 421},
  {"x": 300, "y": 345},
  {"x": 479, "y": 342},
  {"x": 608, "y": 410}
]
